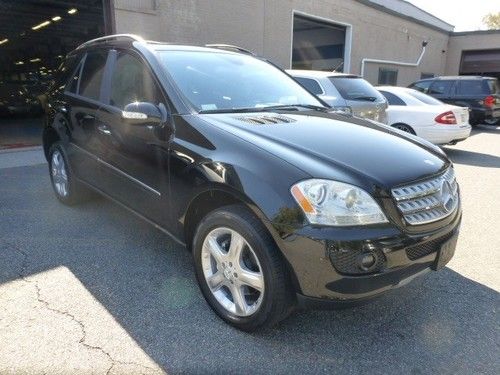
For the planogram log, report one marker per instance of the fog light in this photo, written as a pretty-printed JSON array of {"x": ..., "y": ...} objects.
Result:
[{"x": 367, "y": 261}]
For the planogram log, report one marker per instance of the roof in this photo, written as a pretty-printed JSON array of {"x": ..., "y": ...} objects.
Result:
[
  {"x": 475, "y": 32},
  {"x": 460, "y": 77},
  {"x": 317, "y": 73},
  {"x": 405, "y": 9}
]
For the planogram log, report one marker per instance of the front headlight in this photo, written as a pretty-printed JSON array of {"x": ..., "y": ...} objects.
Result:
[{"x": 327, "y": 202}]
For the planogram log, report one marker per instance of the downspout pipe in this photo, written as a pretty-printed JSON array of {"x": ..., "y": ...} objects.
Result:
[{"x": 390, "y": 62}]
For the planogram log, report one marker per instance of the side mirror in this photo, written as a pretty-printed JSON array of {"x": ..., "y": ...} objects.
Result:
[{"x": 143, "y": 113}]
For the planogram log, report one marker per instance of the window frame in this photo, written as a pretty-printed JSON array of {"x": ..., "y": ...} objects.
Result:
[
  {"x": 384, "y": 92},
  {"x": 79, "y": 70},
  {"x": 113, "y": 57},
  {"x": 448, "y": 92},
  {"x": 312, "y": 79}
]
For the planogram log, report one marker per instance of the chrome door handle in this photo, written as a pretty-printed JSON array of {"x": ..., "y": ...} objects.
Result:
[{"x": 103, "y": 129}]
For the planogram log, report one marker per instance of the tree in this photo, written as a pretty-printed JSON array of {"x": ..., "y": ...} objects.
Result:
[{"x": 492, "y": 20}]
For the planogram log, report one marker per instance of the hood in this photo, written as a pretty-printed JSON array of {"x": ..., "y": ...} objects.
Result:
[{"x": 326, "y": 145}]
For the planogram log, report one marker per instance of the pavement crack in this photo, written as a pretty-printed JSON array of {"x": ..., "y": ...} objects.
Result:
[{"x": 82, "y": 341}]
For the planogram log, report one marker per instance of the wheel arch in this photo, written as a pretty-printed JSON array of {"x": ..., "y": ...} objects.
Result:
[{"x": 49, "y": 137}]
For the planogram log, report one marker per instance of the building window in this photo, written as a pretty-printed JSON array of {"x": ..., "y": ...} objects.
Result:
[
  {"x": 317, "y": 45},
  {"x": 426, "y": 75},
  {"x": 387, "y": 77}
]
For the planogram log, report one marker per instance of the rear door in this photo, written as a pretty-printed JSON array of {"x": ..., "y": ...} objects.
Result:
[
  {"x": 135, "y": 164},
  {"x": 474, "y": 93},
  {"x": 82, "y": 96}
]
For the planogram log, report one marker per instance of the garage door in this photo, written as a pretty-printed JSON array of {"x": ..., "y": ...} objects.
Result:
[{"x": 480, "y": 62}]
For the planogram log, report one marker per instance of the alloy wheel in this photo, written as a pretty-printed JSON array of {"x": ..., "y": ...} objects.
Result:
[
  {"x": 59, "y": 174},
  {"x": 232, "y": 271}
]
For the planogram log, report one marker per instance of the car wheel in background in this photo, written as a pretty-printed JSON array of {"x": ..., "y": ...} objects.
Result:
[
  {"x": 404, "y": 127},
  {"x": 491, "y": 121},
  {"x": 240, "y": 270},
  {"x": 67, "y": 188}
]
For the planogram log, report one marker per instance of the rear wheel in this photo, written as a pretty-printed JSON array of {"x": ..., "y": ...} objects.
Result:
[
  {"x": 240, "y": 270},
  {"x": 492, "y": 121},
  {"x": 405, "y": 128},
  {"x": 67, "y": 188}
]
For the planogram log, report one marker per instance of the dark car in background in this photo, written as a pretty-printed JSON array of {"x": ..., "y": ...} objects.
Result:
[
  {"x": 16, "y": 99},
  {"x": 279, "y": 200},
  {"x": 480, "y": 94}
]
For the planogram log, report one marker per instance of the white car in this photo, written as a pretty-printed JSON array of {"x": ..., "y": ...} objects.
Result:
[{"x": 417, "y": 113}]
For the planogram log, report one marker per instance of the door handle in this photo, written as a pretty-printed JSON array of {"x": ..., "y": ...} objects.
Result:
[
  {"x": 103, "y": 129},
  {"x": 88, "y": 117}
]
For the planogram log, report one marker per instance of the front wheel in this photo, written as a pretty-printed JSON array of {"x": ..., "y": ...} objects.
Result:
[{"x": 239, "y": 269}]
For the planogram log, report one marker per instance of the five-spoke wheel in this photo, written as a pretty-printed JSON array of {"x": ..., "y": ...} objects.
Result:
[
  {"x": 240, "y": 270},
  {"x": 232, "y": 271}
]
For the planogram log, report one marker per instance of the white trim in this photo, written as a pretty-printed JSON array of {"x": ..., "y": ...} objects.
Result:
[{"x": 347, "y": 41}]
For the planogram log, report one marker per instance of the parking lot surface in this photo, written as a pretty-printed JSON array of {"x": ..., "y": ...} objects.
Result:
[{"x": 93, "y": 289}]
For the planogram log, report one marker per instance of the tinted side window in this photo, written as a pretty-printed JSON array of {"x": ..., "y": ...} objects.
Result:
[
  {"x": 93, "y": 70},
  {"x": 72, "y": 84},
  {"x": 310, "y": 84},
  {"x": 440, "y": 87},
  {"x": 131, "y": 81},
  {"x": 392, "y": 99},
  {"x": 473, "y": 87},
  {"x": 422, "y": 86}
]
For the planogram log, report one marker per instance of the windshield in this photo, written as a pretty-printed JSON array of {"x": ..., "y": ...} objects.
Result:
[
  {"x": 218, "y": 81},
  {"x": 355, "y": 88},
  {"x": 424, "y": 98}
]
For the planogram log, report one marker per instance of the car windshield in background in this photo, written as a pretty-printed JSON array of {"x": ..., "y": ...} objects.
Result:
[
  {"x": 218, "y": 82},
  {"x": 424, "y": 98},
  {"x": 355, "y": 88}
]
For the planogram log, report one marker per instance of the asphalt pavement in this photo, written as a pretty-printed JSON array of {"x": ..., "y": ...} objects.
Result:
[{"x": 93, "y": 289}]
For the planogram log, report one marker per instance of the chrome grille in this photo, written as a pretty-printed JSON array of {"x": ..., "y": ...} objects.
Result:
[{"x": 428, "y": 201}]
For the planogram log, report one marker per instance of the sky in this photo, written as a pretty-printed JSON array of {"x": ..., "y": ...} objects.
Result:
[{"x": 465, "y": 15}]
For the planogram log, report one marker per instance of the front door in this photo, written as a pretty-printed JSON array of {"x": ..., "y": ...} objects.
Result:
[{"x": 135, "y": 164}]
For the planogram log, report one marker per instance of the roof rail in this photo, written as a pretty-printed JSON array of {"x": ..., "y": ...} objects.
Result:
[
  {"x": 229, "y": 47},
  {"x": 106, "y": 38}
]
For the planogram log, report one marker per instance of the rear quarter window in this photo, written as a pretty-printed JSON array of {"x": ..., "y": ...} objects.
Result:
[
  {"x": 493, "y": 86},
  {"x": 473, "y": 87}
]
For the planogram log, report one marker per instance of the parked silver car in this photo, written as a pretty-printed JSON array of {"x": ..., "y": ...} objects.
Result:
[{"x": 347, "y": 93}]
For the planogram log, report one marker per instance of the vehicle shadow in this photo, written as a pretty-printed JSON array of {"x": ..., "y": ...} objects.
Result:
[
  {"x": 441, "y": 323},
  {"x": 472, "y": 158}
]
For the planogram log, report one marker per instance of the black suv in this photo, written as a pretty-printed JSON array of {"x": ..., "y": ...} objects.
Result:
[
  {"x": 480, "y": 94},
  {"x": 279, "y": 200}
]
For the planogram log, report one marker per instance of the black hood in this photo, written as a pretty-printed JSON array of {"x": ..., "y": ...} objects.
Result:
[{"x": 326, "y": 145}]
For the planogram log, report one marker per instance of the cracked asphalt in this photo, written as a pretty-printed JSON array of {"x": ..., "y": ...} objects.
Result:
[{"x": 93, "y": 290}]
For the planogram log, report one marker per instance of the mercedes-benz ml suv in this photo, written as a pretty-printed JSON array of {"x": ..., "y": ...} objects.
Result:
[{"x": 280, "y": 201}]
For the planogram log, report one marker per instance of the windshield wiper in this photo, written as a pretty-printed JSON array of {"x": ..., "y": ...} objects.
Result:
[
  {"x": 369, "y": 98},
  {"x": 230, "y": 110},
  {"x": 294, "y": 106},
  {"x": 264, "y": 109}
]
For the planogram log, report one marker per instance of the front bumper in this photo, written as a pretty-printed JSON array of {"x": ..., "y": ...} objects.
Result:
[{"x": 407, "y": 255}]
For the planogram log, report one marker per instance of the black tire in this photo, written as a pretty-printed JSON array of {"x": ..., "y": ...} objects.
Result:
[
  {"x": 76, "y": 192},
  {"x": 404, "y": 127},
  {"x": 277, "y": 300},
  {"x": 491, "y": 122}
]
